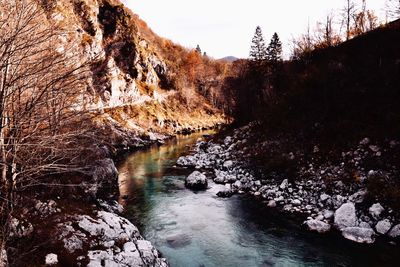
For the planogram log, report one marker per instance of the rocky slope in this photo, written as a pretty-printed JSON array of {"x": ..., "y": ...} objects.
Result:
[
  {"x": 328, "y": 195},
  {"x": 130, "y": 81}
]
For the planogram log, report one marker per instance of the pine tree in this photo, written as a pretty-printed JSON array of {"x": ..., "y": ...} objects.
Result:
[
  {"x": 274, "y": 50},
  {"x": 258, "y": 51},
  {"x": 198, "y": 49}
]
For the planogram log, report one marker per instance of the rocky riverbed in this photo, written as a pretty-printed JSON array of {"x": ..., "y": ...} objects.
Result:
[
  {"x": 319, "y": 192},
  {"x": 72, "y": 234}
]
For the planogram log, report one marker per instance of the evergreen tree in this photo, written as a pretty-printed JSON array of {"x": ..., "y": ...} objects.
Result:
[
  {"x": 258, "y": 51},
  {"x": 274, "y": 51},
  {"x": 198, "y": 49}
]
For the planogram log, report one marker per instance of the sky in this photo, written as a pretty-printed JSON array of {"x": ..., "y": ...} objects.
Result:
[{"x": 226, "y": 27}]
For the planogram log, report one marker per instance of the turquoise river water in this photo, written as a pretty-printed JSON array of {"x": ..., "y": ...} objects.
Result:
[{"x": 199, "y": 229}]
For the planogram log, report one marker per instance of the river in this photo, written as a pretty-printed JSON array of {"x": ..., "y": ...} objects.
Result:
[{"x": 199, "y": 229}]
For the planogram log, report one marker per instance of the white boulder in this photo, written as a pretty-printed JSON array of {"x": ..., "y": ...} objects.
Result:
[
  {"x": 345, "y": 216},
  {"x": 318, "y": 226},
  {"x": 196, "y": 180},
  {"x": 395, "y": 232},
  {"x": 359, "y": 235},
  {"x": 284, "y": 184},
  {"x": 376, "y": 210},
  {"x": 324, "y": 197},
  {"x": 359, "y": 196},
  {"x": 382, "y": 227},
  {"x": 186, "y": 161},
  {"x": 271, "y": 204},
  {"x": 228, "y": 164},
  {"x": 296, "y": 202},
  {"x": 328, "y": 214},
  {"x": 51, "y": 259}
]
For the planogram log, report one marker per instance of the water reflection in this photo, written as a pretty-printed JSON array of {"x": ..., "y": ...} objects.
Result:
[{"x": 199, "y": 229}]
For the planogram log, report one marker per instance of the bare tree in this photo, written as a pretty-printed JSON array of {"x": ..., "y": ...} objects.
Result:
[
  {"x": 40, "y": 122},
  {"x": 365, "y": 20},
  {"x": 303, "y": 45},
  {"x": 326, "y": 35},
  {"x": 360, "y": 19},
  {"x": 392, "y": 9},
  {"x": 348, "y": 15}
]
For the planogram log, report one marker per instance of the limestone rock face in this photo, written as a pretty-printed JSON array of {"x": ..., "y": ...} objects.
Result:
[{"x": 106, "y": 34}]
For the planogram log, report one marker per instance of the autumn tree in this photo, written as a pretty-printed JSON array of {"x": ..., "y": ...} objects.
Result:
[
  {"x": 326, "y": 35},
  {"x": 348, "y": 15},
  {"x": 364, "y": 20},
  {"x": 41, "y": 124},
  {"x": 303, "y": 45}
]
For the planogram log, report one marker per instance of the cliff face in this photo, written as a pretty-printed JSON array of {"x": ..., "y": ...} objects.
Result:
[
  {"x": 129, "y": 79},
  {"x": 104, "y": 33}
]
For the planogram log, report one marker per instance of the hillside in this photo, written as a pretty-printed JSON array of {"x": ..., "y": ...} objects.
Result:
[
  {"x": 350, "y": 90},
  {"x": 135, "y": 73}
]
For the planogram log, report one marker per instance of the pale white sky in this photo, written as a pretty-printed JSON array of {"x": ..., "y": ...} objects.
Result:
[{"x": 225, "y": 27}]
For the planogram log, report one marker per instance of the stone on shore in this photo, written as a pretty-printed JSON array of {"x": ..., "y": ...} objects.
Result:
[
  {"x": 51, "y": 259},
  {"x": 284, "y": 184},
  {"x": 376, "y": 210},
  {"x": 318, "y": 226},
  {"x": 359, "y": 235},
  {"x": 271, "y": 204},
  {"x": 228, "y": 164},
  {"x": 345, "y": 216},
  {"x": 395, "y": 232},
  {"x": 382, "y": 227}
]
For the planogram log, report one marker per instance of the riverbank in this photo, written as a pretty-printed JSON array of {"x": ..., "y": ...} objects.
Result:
[
  {"x": 81, "y": 215},
  {"x": 332, "y": 195},
  {"x": 56, "y": 229}
]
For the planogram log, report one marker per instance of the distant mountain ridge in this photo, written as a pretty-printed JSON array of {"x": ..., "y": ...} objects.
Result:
[{"x": 229, "y": 59}]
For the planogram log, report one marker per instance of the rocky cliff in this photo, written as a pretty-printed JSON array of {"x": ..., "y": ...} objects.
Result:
[{"x": 133, "y": 80}]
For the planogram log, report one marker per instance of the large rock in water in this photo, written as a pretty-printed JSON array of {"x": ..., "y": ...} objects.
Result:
[
  {"x": 359, "y": 235},
  {"x": 196, "y": 180},
  {"x": 345, "y": 216}
]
